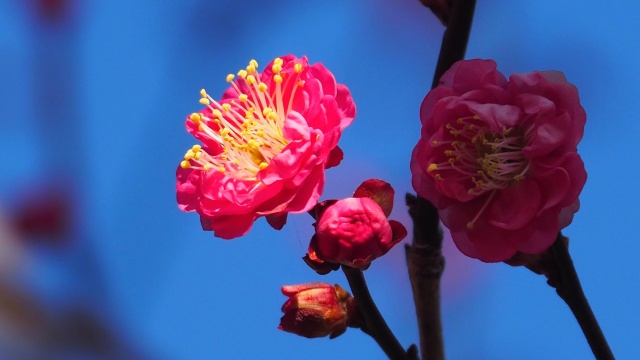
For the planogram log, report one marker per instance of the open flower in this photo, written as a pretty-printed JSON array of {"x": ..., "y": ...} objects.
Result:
[
  {"x": 265, "y": 145},
  {"x": 318, "y": 310},
  {"x": 498, "y": 158},
  {"x": 354, "y": 231}
]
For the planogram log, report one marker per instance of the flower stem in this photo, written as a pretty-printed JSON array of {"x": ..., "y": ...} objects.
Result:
[
  {"x": 424, "y": 256},
  {"x": 565, "y": 280},
  {"x": 374, "y": 323}
]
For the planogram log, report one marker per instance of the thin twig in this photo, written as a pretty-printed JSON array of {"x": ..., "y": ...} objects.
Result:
[
  {"x": 565, "y": 280},
  {"x": 374, "y": 323}
]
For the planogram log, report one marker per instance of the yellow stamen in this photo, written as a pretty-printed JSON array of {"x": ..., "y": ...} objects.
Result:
[{"x": 195, "y": 117}]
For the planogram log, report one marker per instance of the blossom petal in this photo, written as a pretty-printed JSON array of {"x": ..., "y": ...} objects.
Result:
[
  {"x": 277, "y": 221},
  {"x": 379, "y": 191},
  {"x": 335, "y": 157}
]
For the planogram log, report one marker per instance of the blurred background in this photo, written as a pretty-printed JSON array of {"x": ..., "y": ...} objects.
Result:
[{"x": 97, "y": 262}]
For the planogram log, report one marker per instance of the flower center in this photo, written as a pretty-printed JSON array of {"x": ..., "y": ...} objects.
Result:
[
  {"x": 248, "y": 128},
  {"x": 484, "y": 159}
]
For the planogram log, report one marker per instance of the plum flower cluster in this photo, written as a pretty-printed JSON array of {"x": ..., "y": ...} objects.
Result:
[
  {"x": 264, "y": 145},
  {"x": 498, "y": 158}
]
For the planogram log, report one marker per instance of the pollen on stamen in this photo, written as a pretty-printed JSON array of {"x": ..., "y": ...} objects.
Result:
[
  {"x": 262, "y": 87},
  {"x": 243, "y": 97},
  {"x": 251, "y": 79},
  {"x": 222, "y": 169},
  {"x": 203, "y": 93},
  {"x": 242, "y": 73},
  {"x": 207, "y": 166},
  {"x": 297, "y": 68},
  {"x": 470, "y": 225},
  {"x": 263, "y": 165},
  {"x": 432, "y": 167},
  {"x": 226, "y": 107},
  {"x": 230, "y": 77},
  {"x": 204, "y": 101},
  {"x": 185, "y": 164},
  {"x": 195, "y": 148},
  {"x": 195, "y": 117},
  {"x": 253, "y": 63},
  {"x": 277, "y": 78}
]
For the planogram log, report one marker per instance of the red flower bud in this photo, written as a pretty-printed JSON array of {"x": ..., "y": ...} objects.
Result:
[
  {"x": 317, "y": 310},
  {"x": 355, "y": 231}
]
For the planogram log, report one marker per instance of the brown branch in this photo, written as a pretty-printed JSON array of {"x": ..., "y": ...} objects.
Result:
[
  {"x": 564, "y": 278},
  {"x": 455, "y": 38},
  {"x": 426, "y": 264},
  {"x": 373, "y": 322},
  {"x": 424, "y": 256}
]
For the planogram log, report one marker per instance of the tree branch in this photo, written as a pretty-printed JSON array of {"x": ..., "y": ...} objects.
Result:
[
  {"x": 564, "y": 279},
  {"x": 424, "y": 256},
  {"x": 374, "y": 323}
]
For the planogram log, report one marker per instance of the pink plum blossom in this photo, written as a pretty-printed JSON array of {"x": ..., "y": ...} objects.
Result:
[
  {"x": 498, "y": 158},
  {"x": 265, "y": 145},
  {"x": 355, "y": 231}
]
